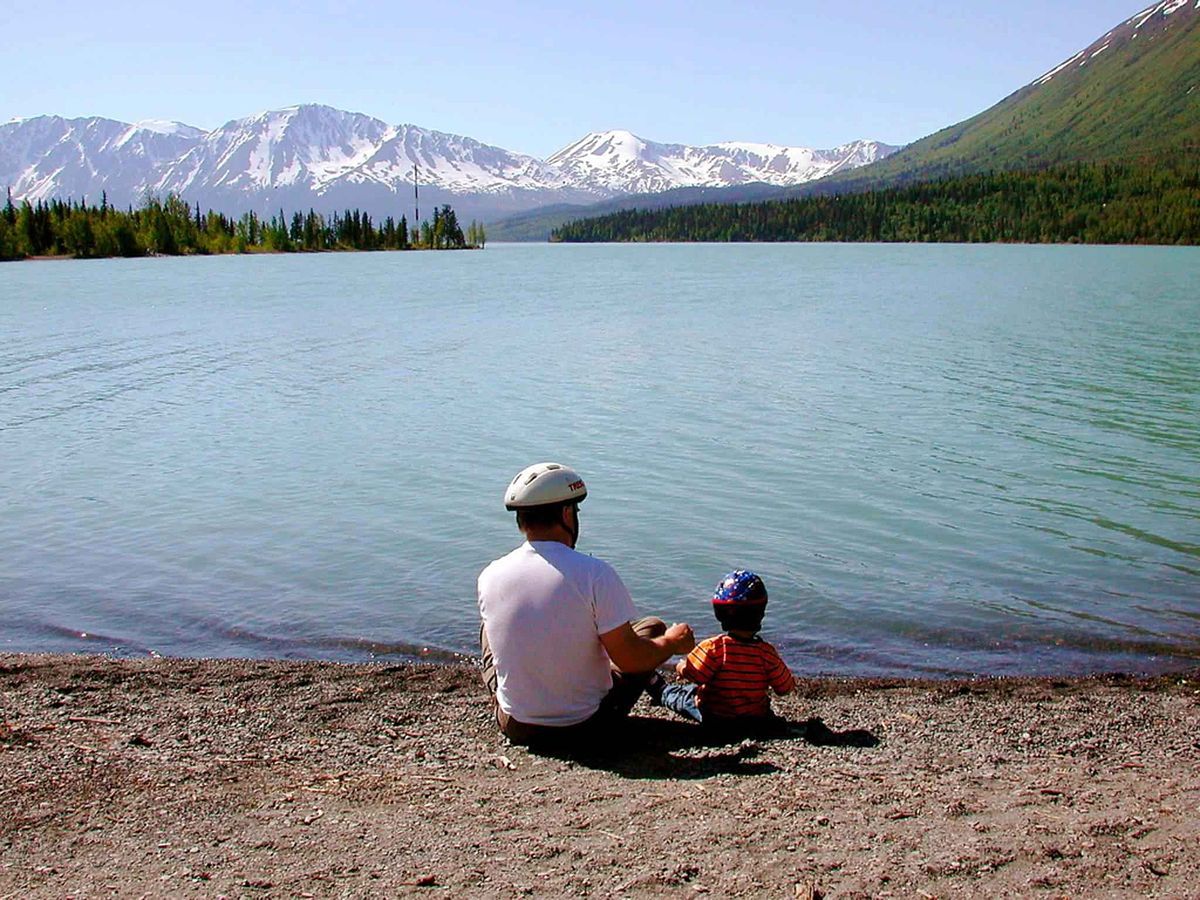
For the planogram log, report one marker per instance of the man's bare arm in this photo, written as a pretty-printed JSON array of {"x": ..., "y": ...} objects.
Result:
[{"x": 632, "y": 653}]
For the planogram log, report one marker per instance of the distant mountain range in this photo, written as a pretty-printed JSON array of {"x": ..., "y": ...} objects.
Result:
[
  {"x": 617, "y": 162},
  {"x": 324, "y": 158}
]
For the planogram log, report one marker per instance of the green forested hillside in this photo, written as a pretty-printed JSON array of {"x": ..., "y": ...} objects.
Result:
[
  {"x": 1125, "y": 203},
  {"x": 1134, "y": 93}
]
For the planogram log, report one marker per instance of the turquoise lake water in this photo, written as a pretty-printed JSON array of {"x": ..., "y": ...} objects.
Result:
[{"x": 941, "y": 459}]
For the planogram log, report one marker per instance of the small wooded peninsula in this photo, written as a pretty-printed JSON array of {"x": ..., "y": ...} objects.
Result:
[{"x": 170, "y": 227}]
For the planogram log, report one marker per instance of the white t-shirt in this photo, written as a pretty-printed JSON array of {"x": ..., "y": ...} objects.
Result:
[{"x": 544, "y": 607}]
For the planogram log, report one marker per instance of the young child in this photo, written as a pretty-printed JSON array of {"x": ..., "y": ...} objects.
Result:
[{"x": 730, "y": 673}]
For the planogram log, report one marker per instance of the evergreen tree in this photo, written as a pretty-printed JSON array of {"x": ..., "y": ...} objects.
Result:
[
  {"x": 452, "y": 233},
  {"x": 8, "y": 240},
  {"x": 27, "y": 243}
]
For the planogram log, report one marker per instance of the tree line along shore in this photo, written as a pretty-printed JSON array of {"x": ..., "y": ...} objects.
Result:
[
  {"x": 170, "y": 227},
  {"x": 1088, "y": 203}
]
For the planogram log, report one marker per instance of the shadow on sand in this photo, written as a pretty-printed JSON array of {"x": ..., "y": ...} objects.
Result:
[{"x": 667, "y": 748}]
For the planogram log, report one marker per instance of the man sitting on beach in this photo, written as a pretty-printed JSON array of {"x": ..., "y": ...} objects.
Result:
[{"x": 562, "y": 655}]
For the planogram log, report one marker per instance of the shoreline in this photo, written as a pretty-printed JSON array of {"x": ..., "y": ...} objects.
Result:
[
  {"x": 67, "y": 257},
  {"x": 278, "y": 778},
  {"x": 1116, "y": 661}
]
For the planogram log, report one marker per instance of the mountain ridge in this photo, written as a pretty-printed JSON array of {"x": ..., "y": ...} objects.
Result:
[
  {"x": 312, "y": 155},
  {"x": 623, "y": 162}
]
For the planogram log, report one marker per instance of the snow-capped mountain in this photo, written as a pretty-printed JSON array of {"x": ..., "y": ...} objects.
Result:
[
  {"x": 305, "y": 145},
  {"x": 317, "y": 148},
  {"x": 623, "y": 163},
  {"x": 327, "y": 159},
  {"x": 54, "y": 157}
]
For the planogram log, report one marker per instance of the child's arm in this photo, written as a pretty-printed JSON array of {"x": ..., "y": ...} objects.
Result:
[
  {"x": 699, "y": 666},
  {"x": 781, "y": 678}
]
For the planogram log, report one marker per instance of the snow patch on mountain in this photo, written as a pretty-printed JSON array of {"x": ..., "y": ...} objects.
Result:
[
  {"x": 1157, "y": 15},
  {"x": 165, "y": 126}
]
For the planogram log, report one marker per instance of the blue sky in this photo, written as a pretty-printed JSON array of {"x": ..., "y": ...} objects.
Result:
[{"x": 534, "y": 76}]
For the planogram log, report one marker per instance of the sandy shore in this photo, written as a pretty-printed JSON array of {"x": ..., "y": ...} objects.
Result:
[{"x": 257, "y": 779}]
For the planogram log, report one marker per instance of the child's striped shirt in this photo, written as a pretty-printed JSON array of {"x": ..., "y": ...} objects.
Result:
[{"x": 733, "y": 676}]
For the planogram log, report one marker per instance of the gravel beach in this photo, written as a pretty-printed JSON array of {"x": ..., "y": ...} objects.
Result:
[{"x": 244, "y": 778}]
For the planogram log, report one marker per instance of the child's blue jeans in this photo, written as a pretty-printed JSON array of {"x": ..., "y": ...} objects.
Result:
[{"x": 681, "y": 698}]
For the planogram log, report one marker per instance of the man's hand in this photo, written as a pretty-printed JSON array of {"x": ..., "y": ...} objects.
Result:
[
  {"x": 630, "y": 652},
  {"x": 679, "y": 638}
]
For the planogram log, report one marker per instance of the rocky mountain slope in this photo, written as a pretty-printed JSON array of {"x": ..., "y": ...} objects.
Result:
[{"x": 54, "y": 157}]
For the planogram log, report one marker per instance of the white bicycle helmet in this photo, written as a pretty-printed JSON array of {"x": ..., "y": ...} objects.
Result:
[{"x": 543, "y": 484}]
